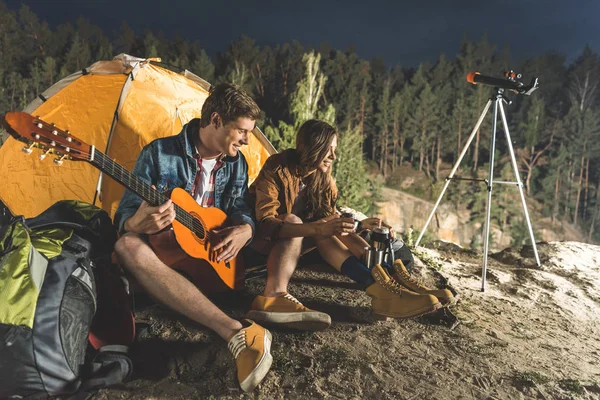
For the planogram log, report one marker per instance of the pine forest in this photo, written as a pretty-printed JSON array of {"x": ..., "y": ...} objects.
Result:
[{"x": 388, "y": 116}]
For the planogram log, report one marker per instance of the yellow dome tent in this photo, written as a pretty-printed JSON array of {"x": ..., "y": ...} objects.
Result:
[{"x": 118, "y": 106}]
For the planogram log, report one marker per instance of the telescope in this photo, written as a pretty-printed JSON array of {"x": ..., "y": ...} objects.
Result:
[{"x": 510, "y": 82}]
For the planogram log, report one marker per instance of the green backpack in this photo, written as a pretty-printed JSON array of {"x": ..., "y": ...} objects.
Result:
[{"x": 56, "y": 283}]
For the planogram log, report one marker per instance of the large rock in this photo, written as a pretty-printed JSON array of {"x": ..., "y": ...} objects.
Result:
[{"x": 404, "y": 211}]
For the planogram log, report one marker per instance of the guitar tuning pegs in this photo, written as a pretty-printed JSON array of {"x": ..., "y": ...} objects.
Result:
[
  {"x": 44, "y": 154},
  {"x": 59, "y": 160},
  {"x": 28, "y": 149}
]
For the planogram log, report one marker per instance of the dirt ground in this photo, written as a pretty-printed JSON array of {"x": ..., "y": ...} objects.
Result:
[{"x": 533, "y": 334}]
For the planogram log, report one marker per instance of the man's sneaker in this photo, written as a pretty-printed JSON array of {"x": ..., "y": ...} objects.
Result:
[
  {"x": 389, "y": 299},
  {"x": 286, "y": 311},
  {"x": 402, "y": 276},
  {"x": 251, "y": 348}
]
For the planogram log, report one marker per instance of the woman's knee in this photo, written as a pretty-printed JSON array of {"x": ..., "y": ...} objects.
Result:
[{"x": 291, "y": 218}]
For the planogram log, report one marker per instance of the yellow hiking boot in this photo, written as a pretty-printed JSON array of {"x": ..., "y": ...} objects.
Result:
[
  {"x": 402, "y": 276},
  {"x": 251, "y": 348},
  {"x": 389, "y": 299},
  {"x": 286, "y": 311}
]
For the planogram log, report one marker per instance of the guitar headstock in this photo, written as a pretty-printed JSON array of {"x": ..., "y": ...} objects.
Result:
[{"x": 37, "y": 133}]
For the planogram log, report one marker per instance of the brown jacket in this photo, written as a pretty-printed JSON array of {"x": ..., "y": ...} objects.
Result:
[{"x": 274, "y": 192}]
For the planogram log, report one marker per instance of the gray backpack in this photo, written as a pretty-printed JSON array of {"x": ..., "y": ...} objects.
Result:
[{"x": 51, "y": 268}]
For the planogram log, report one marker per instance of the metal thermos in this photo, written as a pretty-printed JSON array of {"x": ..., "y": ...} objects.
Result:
[{"x": 379, "y": 249}]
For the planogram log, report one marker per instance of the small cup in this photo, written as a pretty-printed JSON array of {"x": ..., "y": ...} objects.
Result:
[{"x": 350, "y": 215}]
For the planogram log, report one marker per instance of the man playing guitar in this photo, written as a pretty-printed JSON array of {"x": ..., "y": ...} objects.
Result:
[{"x": 204, "y": 159}]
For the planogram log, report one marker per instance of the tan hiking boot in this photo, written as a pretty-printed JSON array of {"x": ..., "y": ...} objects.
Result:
[
  {"x": 402, "y": 276},
  {"x": 389, "y": 299},
  {"x": 286, "y": 311},
  {"x": 251, "y": 348}
]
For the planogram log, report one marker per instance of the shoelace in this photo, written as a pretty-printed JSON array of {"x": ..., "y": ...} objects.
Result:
[
  {"x": 390, "y": 284},
  {"x": 291, "y": 298},
  {"x": 412, "y": 280},
  {"x": 393, "y": 286},
  {"x": 237, "y": 343}
]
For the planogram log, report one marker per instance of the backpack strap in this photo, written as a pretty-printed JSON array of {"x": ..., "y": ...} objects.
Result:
[{"x": 111, "y": 366}]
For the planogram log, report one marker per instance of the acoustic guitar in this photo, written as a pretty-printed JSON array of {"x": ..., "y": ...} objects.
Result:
[{"x": 191, "y": 229}]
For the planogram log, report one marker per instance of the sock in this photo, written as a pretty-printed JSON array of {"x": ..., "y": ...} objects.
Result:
[
  {"x": 388, "y": 268},
  {"x": 357, "y": 271}
]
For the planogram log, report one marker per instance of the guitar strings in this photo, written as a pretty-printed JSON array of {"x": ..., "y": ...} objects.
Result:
[
  {"x": 190, "y": 222},
  {"x": 127, "y": 178}
]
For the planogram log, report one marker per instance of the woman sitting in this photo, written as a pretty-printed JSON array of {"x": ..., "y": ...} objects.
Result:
[{"x": 295, "y": 211}]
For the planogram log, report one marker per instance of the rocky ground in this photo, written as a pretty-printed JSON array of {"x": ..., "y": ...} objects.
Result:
[{"x": 533, "y": 334}]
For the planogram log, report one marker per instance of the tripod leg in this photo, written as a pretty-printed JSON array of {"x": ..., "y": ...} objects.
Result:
[
  {"x": 488, "y": 207},
  {"x": 520, "y": 185},
  {"x": 456, "y": 164}
]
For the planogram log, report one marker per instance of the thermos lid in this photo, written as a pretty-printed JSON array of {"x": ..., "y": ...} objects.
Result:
[
  {"x": 380, "y": 234},
  {"x": 381, "y": 229}
]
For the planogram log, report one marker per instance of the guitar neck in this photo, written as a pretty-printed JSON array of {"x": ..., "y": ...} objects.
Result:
[
  {"x": 126, "y": 178},
  {"x": 138, "y": 186}
]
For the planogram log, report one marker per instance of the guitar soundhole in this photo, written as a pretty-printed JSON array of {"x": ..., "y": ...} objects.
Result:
[{"x": 199, "y": 230}]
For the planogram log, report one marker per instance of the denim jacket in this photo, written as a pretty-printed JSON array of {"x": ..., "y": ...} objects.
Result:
[{"x": 169, "y": 162}]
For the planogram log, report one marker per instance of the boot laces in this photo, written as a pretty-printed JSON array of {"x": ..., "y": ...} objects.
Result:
[
  {"x": 291, "y": 298},
  {"x": 393, "y": 286},
  {"x": 412, "y": 280},
  {"x": 237, "y": 343},
  {"x": 389, "y": 284}
]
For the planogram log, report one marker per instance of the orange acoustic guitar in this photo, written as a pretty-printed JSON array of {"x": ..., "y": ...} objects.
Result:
[{"x": 190, "y": 229}]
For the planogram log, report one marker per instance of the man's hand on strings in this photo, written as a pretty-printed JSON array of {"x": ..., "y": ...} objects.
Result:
[{"x": 151, "y": 219}]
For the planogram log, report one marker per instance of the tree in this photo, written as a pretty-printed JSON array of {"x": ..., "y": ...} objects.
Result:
[
  {"x": 424, "y": 116},
  {"x": 400, "y": 105},
  {"x": 203, "y": 66},
  {"x": 441, "y": 132},
  {"x": 126, "y": 40},
  {"x": 538, "y": 139},
  {"x": 241, "y": 62},
  {"x": 151, "y": 46},
  {"x": 304, "y": 104},
  {"x": 348, "y": 87},
  {"x": 77, "y": 58},
  {"x": 585, "y": 129},
  {"x": 383, "y": 121},
  {"x": 350, "y": 173},
  {"x": 349, "y": 169}
]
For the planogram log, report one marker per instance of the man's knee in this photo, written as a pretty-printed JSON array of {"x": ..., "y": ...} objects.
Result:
[{"x": 128, "y": 245}]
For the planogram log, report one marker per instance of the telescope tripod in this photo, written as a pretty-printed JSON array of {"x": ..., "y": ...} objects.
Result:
[{"x": 496, "y": 100}]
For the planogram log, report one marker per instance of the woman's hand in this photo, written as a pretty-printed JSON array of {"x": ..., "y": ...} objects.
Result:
[
  {"x": 370, "y": 223},
  {"x": 332, "y": 226}
]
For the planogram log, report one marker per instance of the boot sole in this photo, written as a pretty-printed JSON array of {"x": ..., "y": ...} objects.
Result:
[
  {"x": 303, "y": 321},
  {"x": 261, "y": 369},
  {"x": 425, "y": 310}
]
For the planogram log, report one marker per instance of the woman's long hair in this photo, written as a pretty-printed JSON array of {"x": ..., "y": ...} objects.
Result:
[{"x": 312, "y": 145}]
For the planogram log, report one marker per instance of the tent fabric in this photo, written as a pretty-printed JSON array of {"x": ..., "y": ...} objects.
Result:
[{"x": 117, "y": 106}]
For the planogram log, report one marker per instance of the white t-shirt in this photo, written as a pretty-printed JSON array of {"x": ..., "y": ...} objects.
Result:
[{"x": 207, "y": 168}]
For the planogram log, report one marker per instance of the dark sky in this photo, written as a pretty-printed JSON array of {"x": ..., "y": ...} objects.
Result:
[{"x": 402, "y": 32}]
